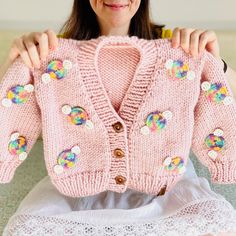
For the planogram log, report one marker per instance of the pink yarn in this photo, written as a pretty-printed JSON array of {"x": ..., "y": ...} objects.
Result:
[{"x": 119, "y": 81}]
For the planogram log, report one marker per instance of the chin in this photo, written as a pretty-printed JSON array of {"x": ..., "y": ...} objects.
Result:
[{"x": 117, "y": 21}]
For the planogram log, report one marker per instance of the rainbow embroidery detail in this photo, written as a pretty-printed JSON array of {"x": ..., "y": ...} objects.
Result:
[
  {"x": 179, "y": 70},
  {"x": 67, "y": 159},
  {"x": 215, "y": 142},
  {"x": 18, "y": 94},
  {"x": 18, "y": 145},
  {"x": 216, "y": 92},
  {"x": 56, "y": 70},
  {"x": 174, "y": 164},
  {"x": 77, "y": 115},
  {"x": 156, "y": 121}
]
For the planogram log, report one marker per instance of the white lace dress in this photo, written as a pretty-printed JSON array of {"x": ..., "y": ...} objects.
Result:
[{"x": 190, "y": 208}]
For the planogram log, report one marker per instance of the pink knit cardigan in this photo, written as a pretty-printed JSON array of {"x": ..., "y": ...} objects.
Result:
[{"x": 119, "y": 112}]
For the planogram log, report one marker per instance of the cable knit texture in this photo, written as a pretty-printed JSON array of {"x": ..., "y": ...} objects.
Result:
[{"x": 119, "y": 112}]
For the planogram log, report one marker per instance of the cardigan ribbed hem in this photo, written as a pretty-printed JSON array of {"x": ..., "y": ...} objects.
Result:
[
  {"x": 152, "y": 184},
  {"x": 83, "y": 184}
]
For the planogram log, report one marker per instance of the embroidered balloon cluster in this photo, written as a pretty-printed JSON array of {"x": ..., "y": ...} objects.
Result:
[
  {"x": 216, "y": 93},
  {"x": 17, "y": 95},
  {"x": 75, "y": 115}
]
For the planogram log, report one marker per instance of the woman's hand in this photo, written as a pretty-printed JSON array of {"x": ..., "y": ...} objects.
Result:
[
  {"x": 194, "y": 41},
  {"x": 33, "y": 47}
]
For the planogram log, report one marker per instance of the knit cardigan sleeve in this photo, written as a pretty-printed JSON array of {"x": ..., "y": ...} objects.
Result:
[
  {"x": 20, "y": 121},
  {"x": 214, "y": 134}
]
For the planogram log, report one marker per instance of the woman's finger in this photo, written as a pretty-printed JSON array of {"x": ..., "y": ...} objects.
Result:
[
  {"x": 185, "y": 38},
  {"x": 175, "y": 41},
  {"x": 32, "y": 51},
  {"x": 194, "y": 42},
  {"x": 52, "y": 38},
  {"x": 205, "y": 37},
  {"x": 42, "y": 40},
  {"x": 18, "y": 43},
  {"x": 13, "y": 53}
]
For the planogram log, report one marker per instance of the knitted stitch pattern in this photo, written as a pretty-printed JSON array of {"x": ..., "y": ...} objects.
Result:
[{"x": 119, "y": 112}]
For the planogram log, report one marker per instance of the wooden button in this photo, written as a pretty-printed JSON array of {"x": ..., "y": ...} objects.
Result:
[
  {"x": 120, "y": 179},
  {"x": 118, "y": 127},
  {"x": 162, "y": 191},
  {"x": 119, "y": 153}
]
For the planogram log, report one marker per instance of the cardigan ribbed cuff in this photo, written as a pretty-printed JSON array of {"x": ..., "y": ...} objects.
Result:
[
  {"x": 7, "y": 170},
  {"x": 223, "y": 172}
]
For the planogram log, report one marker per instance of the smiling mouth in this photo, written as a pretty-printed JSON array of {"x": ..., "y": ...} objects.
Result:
[{"x": 116, "y": 6}]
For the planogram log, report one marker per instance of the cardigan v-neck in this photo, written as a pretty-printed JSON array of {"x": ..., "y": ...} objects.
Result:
[
  {"x": 117, "y": 79},
  {"x": 138, "y": 88}
]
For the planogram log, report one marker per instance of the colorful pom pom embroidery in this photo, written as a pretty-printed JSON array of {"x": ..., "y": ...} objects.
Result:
[
  {"x": 56, "y": 70},
  {"x": 156, "y": 121},
  {"x": 179, "y": 70},
  {"x": 174, "y": 164},
  {"x": 67, "y": 159},
  {"x": 215, "y": 142},
  {"x": 77, "y": 116},
  {"x": 18, "y": 95},
  {"x": 17, "y": 146},
  {"x": 216, "y": 92}
]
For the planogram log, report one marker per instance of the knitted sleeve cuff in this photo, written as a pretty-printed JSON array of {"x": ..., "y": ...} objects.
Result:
[
  {"x": 7, "y": 170},
  {"x": 223, "y": 173}
]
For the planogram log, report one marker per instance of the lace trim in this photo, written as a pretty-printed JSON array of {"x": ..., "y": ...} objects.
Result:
[{"x": 210, "y": 216}]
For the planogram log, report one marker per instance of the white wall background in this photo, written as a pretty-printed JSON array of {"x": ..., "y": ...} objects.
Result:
[{"x": 43, "y": 14}]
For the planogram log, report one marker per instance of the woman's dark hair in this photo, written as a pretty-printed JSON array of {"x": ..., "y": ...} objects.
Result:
[{"x": 83, "y": 25}]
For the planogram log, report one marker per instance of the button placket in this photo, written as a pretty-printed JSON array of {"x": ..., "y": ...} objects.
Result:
[
  {"x": 120, "y": 179},
  {"x": 103, "y": 104},
  {"x": 118, "y": 153},
  {"x": 118, "y": 127}
]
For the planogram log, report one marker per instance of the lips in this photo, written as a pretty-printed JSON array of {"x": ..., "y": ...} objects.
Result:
[{"x": 116, "y": 5}]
